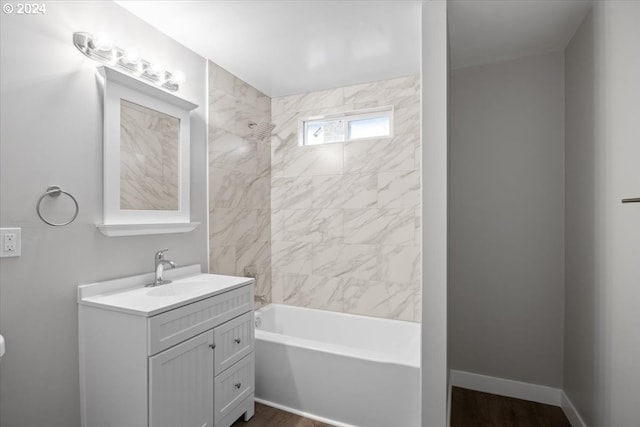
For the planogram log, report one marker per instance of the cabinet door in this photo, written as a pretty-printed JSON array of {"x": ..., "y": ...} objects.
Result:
[{"x": 181, "y": 384}]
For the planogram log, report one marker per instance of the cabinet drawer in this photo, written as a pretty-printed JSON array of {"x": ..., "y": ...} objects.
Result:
[
  {"x": 234, "y": 340},
  {"x": 170, "y": 328},
  {"x": 233, "y": 386}
]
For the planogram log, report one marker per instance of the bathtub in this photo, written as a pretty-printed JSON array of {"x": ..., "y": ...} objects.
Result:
[{"x": 342, "y": 369}]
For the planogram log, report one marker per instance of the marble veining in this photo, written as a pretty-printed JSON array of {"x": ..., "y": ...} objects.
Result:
[
  {"x": 313, "y": 160},
  {"x": 149, "y": 154},
  {"x": 383, "y": 155},
  {"x": 313, "y": 225},
  {"x": 291, "y": 258},
  {"x": 291, "y": 193},
  {"x": 400, "y": 264},
  {"x": 231, "y": 152},
  {"x": 238, "y": 225},
  {"x": 382, "y": 299},
  {"x": 345, "y": 217},
  {"x": 342, "y": 260},
  {"x": 379, "y": 226},
  {"x": 345, "y": 191},
  {"x": 334, "y": 227},
  {"x": 325, "y": 293},
  {"x": 239, "y": 180},
  {"x": 399, "y": 189}
]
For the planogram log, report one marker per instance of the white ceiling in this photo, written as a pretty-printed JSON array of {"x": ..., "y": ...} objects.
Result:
[
  {"x": 484, "y": 31},
  {"x": 288, "y": 47}
]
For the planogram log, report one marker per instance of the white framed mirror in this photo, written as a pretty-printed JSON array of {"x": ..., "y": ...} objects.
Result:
[{"x": 146, "y": 158}]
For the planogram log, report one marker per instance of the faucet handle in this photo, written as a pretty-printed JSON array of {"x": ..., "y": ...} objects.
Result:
[{"x": 160, "y": 253}]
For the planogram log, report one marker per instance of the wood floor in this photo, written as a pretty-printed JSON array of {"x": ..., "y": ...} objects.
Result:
[
  {"x": 267, "y": 416},
  {"x": 468, "y": 409},
  {"x": 475, "y": 409}
]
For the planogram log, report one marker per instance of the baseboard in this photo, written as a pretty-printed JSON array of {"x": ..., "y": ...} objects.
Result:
[
  {"x": 449, "y": 401},
  {"x": 303, "y": 414},
  {"x": 504, "y": 387},
  {"x": 570, "y": 411}
]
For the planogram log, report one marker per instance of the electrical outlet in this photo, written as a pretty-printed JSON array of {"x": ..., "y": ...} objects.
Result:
[{"x": 10, "y": 242}]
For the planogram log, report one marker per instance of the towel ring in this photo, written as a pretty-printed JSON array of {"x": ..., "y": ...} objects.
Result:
[{"x": 55, "y": 191}]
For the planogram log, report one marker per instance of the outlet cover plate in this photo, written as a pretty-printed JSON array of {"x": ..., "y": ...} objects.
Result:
[{"x": 6, "y": 242}]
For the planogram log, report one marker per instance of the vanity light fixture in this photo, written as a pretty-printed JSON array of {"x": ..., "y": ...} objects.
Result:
[{"x": 99, "y": 48}]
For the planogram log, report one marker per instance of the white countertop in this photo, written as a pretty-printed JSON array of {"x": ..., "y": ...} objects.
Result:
[{"x": 129, "y": 294}]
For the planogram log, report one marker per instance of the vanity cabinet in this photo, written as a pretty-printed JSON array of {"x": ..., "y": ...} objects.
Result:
[{"x": 188, "y": 366}]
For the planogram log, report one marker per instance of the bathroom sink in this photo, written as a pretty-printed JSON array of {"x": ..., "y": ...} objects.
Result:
[
  {"x": 130, "y": 295},
  {"x": 179, "y": 288}
]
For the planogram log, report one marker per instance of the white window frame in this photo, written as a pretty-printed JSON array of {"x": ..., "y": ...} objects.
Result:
[{"x": 346, "y": 117}]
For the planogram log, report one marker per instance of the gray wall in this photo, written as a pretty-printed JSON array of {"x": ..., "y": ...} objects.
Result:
[
  {"x": 51, "y": 133},
  {"x": 580, "y": 231},
  {"x": 602, "y": 345},
  {"x": 506, "y": 219}
]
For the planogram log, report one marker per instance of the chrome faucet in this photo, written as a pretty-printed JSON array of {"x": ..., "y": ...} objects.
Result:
[{"x": 159, "y": 268}]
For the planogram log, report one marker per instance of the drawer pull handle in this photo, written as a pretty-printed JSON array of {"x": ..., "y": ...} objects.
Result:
[
  {"x": 238, "y": 385},
  {"x": 237, "y": 340},
  {"x": 212, "y": 345}
]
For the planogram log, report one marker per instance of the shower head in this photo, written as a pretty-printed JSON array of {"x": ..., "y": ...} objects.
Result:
[{"x": 260, "y": 130}]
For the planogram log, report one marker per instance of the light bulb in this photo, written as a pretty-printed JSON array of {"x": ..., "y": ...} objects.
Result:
[
  {"x": 102, "y": 42},
  {"x": 179, "y": 77},
  {"x": 131, "y": 55},
  {"x": 159, "y": 74},
  {"x": 157, "y": 69}
]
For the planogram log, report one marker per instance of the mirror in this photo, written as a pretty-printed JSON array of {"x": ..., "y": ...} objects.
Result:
[
  {"x": 146, "y": 156},
  {"x": 149, "y": 154}
]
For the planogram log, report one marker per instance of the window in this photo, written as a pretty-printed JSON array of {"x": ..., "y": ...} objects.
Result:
[{"x": 362, "y": 124}]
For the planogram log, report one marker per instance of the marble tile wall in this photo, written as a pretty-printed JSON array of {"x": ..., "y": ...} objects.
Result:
[
  {"x": 239, "y": 179},
  {"x": 149, "y": 154},
  {"x": 345, "y": 217}
]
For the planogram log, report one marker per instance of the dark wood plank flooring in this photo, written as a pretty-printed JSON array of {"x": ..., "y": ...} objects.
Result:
[
  {"x": 267, "y": 416},
  {"x": 468, "y": 409},
  {"x": 476, "y": 409}
]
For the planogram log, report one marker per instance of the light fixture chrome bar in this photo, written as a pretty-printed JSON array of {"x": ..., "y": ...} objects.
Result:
[{"x": 116, "y": 57}]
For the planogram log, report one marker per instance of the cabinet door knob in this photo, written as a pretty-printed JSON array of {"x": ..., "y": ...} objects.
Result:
[
  {"x": 238, "y": 385},
  {"x": 237, "y": 340},
  {"x": 212, "y": 345}
]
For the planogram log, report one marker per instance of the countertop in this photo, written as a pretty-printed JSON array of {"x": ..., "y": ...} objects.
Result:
[{"x": 129, "y": 294}]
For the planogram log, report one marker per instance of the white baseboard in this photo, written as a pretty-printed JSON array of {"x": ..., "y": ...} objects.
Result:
[
  {"x": 570, "y": 411},
  {"x": 303, "y": 414},
  {"x": 504, "y": 387},
  {"x": 449, "y": 401}
]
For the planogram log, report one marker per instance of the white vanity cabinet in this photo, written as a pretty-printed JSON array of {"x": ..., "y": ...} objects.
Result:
[{"x": 169, "y": 363}]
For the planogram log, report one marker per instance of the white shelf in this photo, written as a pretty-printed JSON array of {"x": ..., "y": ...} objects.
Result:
[{"x": 119, "y": 230}]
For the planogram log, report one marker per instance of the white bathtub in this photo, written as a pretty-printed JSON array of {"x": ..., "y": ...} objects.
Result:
[{"x": 342, "y": 369}]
